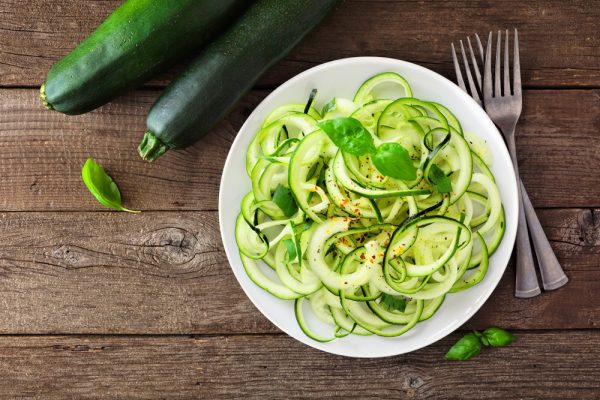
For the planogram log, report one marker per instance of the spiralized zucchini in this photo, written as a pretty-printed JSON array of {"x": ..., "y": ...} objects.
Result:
[{"x": 370, "y": 253}]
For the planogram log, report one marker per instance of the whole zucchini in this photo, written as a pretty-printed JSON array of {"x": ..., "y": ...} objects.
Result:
[
  {"x": 139, "y": 39},
  {"x": 226, "y": 69}
]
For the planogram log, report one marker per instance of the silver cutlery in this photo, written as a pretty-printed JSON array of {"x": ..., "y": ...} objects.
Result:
[{"x": 504, "y": 108}]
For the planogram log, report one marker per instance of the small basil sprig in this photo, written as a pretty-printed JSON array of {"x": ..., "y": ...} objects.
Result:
[
  {"x": 391, "y": 159},
  {"x": 439, "y": 179},
  {"x": 102, "y": 186},
  {"x": 392, "y": 303},
  {"x": 470, "y": 345},
  {"x": 467, "y": 346},
  {"x": 498, "y": 337},
  {"x": 285, "y": 201},
  {"x": 291, "y": 250},
  {"x": 329, "y": 107},
  {"x": 349, "y": 135}
]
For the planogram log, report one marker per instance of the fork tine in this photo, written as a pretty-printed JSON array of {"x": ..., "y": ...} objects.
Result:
[
  {"x": 506, "y": 68},
  {"x": 497, "y": 88},
  {"x": 472, "y": 86},
  {"x": 459, "y": 77},
  {"x": 475, "y": 65},
  {"x": 516, "y": 67},
  {"x": 481, "y": 53},
  {"x": 487, "y": 74}
]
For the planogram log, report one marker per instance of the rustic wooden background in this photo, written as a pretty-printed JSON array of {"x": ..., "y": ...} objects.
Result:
[{"x": 100, "y": 304}]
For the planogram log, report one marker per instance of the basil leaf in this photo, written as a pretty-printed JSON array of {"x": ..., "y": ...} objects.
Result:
[
  {"x": 298, "y": 229},
  {"x": 349, "y": 135},
  {"x": 498, "y": 337},
  {"x": 285, "y": 201},
  {"x": 329, "y": 107},
  {"x": 468, "y": 346},
  {"x": 439, "y": 179},
  {"x": 102, "y": 186},
  {"x": 392, "y": 303},
  {"x": 391, "y": 159},
  {"x": 482, "y": 338},
  {"x": 291, "y": 249}
]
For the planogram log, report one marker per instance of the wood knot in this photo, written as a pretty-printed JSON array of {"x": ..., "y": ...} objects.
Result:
[
  {"x": 171, "y": 245},
  {"x": 415, "y": 381},
  {"x": 72, "y": 256},
  {"x": 589, "y": 223},
  {"x": 34, "y": 186},
  {"x": 64, "y": 252},
  {"x": 413, "y": 385}
]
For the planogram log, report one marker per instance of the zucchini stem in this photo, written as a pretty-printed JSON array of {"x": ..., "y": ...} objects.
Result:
[
  {"x": 44, "y": 99},
  {"x": 151, "y": 147}
]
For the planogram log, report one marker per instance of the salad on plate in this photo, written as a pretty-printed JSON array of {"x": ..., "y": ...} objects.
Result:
[{"x": 368, "y": 212}]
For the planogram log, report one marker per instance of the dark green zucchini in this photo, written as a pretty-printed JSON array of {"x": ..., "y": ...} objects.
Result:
[
  {"x": 193, "y": 103},
  {"x": 141, "y": 38}
]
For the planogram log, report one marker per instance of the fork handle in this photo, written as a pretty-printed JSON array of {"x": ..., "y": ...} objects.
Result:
[
  {"x": 552, "y": 273},
  {"x": 526, "y": 284}
]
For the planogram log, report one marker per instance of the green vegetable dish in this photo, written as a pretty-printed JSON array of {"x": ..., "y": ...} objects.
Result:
[{"x": 371, "y": 211}]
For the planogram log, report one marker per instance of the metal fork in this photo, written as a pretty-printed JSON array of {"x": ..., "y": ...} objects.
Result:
[{"x": 505, "y": 110}]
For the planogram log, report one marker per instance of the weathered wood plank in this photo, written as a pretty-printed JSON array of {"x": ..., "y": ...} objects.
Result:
[
  {"x": 41, "y": 153},
  {"x": 166, "y": 272},
  {"x": 117, "y": 273},
  {"x": 559, "y": 40},
  {"x": 550, "y": 365},
  {"x": 558, "y": 146}
]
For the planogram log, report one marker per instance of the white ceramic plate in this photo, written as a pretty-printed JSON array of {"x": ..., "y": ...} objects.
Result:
[{"x": 342, "y": 78}]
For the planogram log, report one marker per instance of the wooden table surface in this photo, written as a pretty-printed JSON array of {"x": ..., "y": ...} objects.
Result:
[{"x": 101, "y": 304}]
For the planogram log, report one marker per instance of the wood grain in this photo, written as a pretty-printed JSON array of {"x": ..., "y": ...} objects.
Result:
[
  {"x": 166, "y": 273},
  {"x": 148, "y": 302},
  {"x": 538, "y": 365},
  {"x": 558, "y": 146},
  {"x": 41, "y": 153},
  {"x": 560, "y": 44},
  {"x": 117, "y": 273}
]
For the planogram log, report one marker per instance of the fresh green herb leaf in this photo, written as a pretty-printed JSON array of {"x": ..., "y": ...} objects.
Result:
[
  {"x": 304, "y": 226},
  {"x": 497, "y": 337},
  {"x": 392, "y": 303},
  {"x": 298, "y": 229},
  {"x": 482, "y": 338},
  {"x": 285, "y": 201},
  {"x": 391, "y": 159},
  {"x": 349, "y": 135},
  {"x": 329, "y": 107},
  {"x": 311, "y": 99},
  {"x": 102, "y": 186},
  {"x": 291, "y": 249},
  {"x": 468, "y": 346},
  {"x": 439, "y": 179}
]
